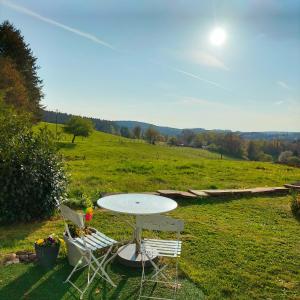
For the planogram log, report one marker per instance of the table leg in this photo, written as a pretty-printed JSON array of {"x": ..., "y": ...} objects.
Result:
[{"x": 137, "y": 240}]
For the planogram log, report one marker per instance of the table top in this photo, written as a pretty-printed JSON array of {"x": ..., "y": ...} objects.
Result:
[{"x": 137, "y": 204}]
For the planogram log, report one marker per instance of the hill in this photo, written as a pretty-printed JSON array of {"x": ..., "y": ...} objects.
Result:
[
  {"x": 114, "y": 127},
  {"x": 109, "y": 163}
]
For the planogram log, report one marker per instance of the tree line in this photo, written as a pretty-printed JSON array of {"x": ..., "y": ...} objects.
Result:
[{"x": 233, "y": 144}]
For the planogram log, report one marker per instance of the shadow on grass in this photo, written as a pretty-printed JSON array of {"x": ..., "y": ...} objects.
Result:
[
  {"x": 12, "y": 235},
  {"x": 38, "y": 283},
  {"x": 65, "y": 145},
  {"x": 216, "y": 200},
  {"x": 33, "y": 282}
]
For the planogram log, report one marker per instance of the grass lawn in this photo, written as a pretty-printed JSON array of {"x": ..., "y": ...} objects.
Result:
[
  {"x": 239, "y": 249},
  {"x": 247, "y": 248}
]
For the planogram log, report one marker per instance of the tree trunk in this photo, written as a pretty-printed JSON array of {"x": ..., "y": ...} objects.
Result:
[{"x": 73, "y": 139}]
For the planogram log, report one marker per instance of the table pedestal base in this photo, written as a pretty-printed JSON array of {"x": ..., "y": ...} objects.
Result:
[{"x": 128, "y": 257}]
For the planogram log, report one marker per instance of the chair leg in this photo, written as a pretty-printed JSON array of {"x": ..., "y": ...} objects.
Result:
[{"x": 74, "y": 269}]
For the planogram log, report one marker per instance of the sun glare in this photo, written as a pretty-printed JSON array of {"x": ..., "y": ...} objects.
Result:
[{"x": 218, "y": 36}]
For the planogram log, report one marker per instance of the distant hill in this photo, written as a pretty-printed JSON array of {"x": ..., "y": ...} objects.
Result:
[
  {"x": 114, "y": 128},
  {"x": 270, "y": 135},
  {"x": 62, "y": 118},
  {"x": 162, "y": 129}
]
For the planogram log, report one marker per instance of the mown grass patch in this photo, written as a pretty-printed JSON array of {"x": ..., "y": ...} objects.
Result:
[{"x": 245, "y": 248}]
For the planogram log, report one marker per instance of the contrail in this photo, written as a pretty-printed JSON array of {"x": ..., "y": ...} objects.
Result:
[
  {"x": 57, "y": 24},
  {"x": 199, "y": 78}
]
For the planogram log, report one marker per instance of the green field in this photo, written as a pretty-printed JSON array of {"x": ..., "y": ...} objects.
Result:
[
  {"x": 247, "y": 248},
  {"x": 106, "y": 163}
]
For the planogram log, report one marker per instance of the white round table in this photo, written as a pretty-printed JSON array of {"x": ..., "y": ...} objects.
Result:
[{"x": 136, "y": 204}]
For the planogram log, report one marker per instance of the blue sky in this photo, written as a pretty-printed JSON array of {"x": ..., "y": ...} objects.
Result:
[{"x": 152, "y": 60}]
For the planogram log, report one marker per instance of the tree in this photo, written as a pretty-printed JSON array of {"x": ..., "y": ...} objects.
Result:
[
  {"x": 137, "y": 131},
  {"x": 151, "y": 135},
  {"x": 12, "y": 85},
  {"x": 13, "y": 46},
  {"x": 124, "y": 131},
  {"x": 31, "y": 174},
  {"x": 253, "y": 151},
  {"x": 79, "y": 126},
  {"x": 187, "y": 136},
  {"x": 172, "y": 141},
  {"x": 233, "y": 145},
  {"x": 285, "y": 156}
]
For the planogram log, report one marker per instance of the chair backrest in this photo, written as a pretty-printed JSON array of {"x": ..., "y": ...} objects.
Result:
[
  {"x": 159, "y": 223},
  {"x": 72, "y": 216}
]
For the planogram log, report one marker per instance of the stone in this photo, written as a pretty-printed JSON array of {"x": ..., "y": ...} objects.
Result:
[
  {"x": 262, "y": 190},
  {"x": 199, "y": 193},
  {"x": 176, "y": 194},
  {"x": 23, "y": 257},
  {"x": 14, "y": 261},
  {"x": 293, "y": 186},
  {"x": 23, "y": 252},
  {"x": 32, "y": 257},
  {"x": 9, "y": 257}
]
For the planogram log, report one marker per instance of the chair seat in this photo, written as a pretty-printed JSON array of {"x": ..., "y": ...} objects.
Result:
[
  {"x": 168, "y": 248},
  {"x": 94, "y": 241}
]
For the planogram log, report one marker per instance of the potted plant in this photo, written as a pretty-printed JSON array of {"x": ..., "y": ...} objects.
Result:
[
  {"x": 73, "y": 253},
  {"x": 47, "y": 250}
]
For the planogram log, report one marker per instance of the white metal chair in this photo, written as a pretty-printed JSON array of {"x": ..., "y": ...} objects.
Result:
[
  {"x": 86, "y": 245},
  {"x": 163, "y": 248}
]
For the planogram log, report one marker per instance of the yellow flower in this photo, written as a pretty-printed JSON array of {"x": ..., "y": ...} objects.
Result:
[
  {"x": 89, "y": 210},
  {"x": 62, "y": 241},
  {"x": 40, "y": 241}
]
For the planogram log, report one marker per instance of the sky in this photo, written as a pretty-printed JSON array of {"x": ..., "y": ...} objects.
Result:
[{"x": 154, "y": 61}]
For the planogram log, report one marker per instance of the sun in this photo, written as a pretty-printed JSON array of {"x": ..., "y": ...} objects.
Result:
[{"x": 218, "y": 36}]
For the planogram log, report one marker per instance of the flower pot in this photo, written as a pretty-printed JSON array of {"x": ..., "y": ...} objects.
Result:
[
  {"x": 73, "y": 253},
  {"x": 46, "y": 256}
]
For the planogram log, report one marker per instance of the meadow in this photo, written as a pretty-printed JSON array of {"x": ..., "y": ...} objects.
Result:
[
  {"x": 244, "y": 248},
  {"x": 105, "y": 163}
]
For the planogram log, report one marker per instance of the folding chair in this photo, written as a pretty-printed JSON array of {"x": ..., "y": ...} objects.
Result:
[
  {"x": 86, "y": 245},
  {"x": 163, "y": 248}
]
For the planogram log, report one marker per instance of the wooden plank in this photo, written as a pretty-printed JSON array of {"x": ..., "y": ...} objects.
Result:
[
  {"x": 199, "y": 193},
  {"x": 281, "y": 189},
  {"x": 175, "y": 194},
  {"x": 292, "y": 186},
  {"x": 262, "y": 190},
  {"x": 227, "y": 192}
]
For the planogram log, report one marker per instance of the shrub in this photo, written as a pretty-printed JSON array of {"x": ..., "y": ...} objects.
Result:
[
  {"x": 265, "y": 157},
  {"x": 284, "y": 156},
  {"x": 31, "y": 172},
  {"x": 294, "y": 160},
  {"x": 295, "y": 204}
]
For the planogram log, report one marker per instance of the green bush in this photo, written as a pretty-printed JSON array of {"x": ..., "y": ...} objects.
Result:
[
  {"x": 265, "y": 157},
  {"x": 32, "y": 176},
  {"x": 295, "y": 204},
  {"x": 294, "y": 161}
]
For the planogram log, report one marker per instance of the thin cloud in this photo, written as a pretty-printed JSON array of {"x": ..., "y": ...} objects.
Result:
[
  {"x": 279, "y": 102},
  {"x": 199, "y": 78},
  {"x": 200, "y": 101},
  {"x": 207, "y": 59},
  {"x": 283, "y": 85},
  {"x": 33, "y": 14}
]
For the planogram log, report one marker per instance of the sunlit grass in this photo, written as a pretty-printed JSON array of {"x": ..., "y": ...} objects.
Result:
[
  {"x": 246, "y": 248},
  {"x": 106, "y": 163}
]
